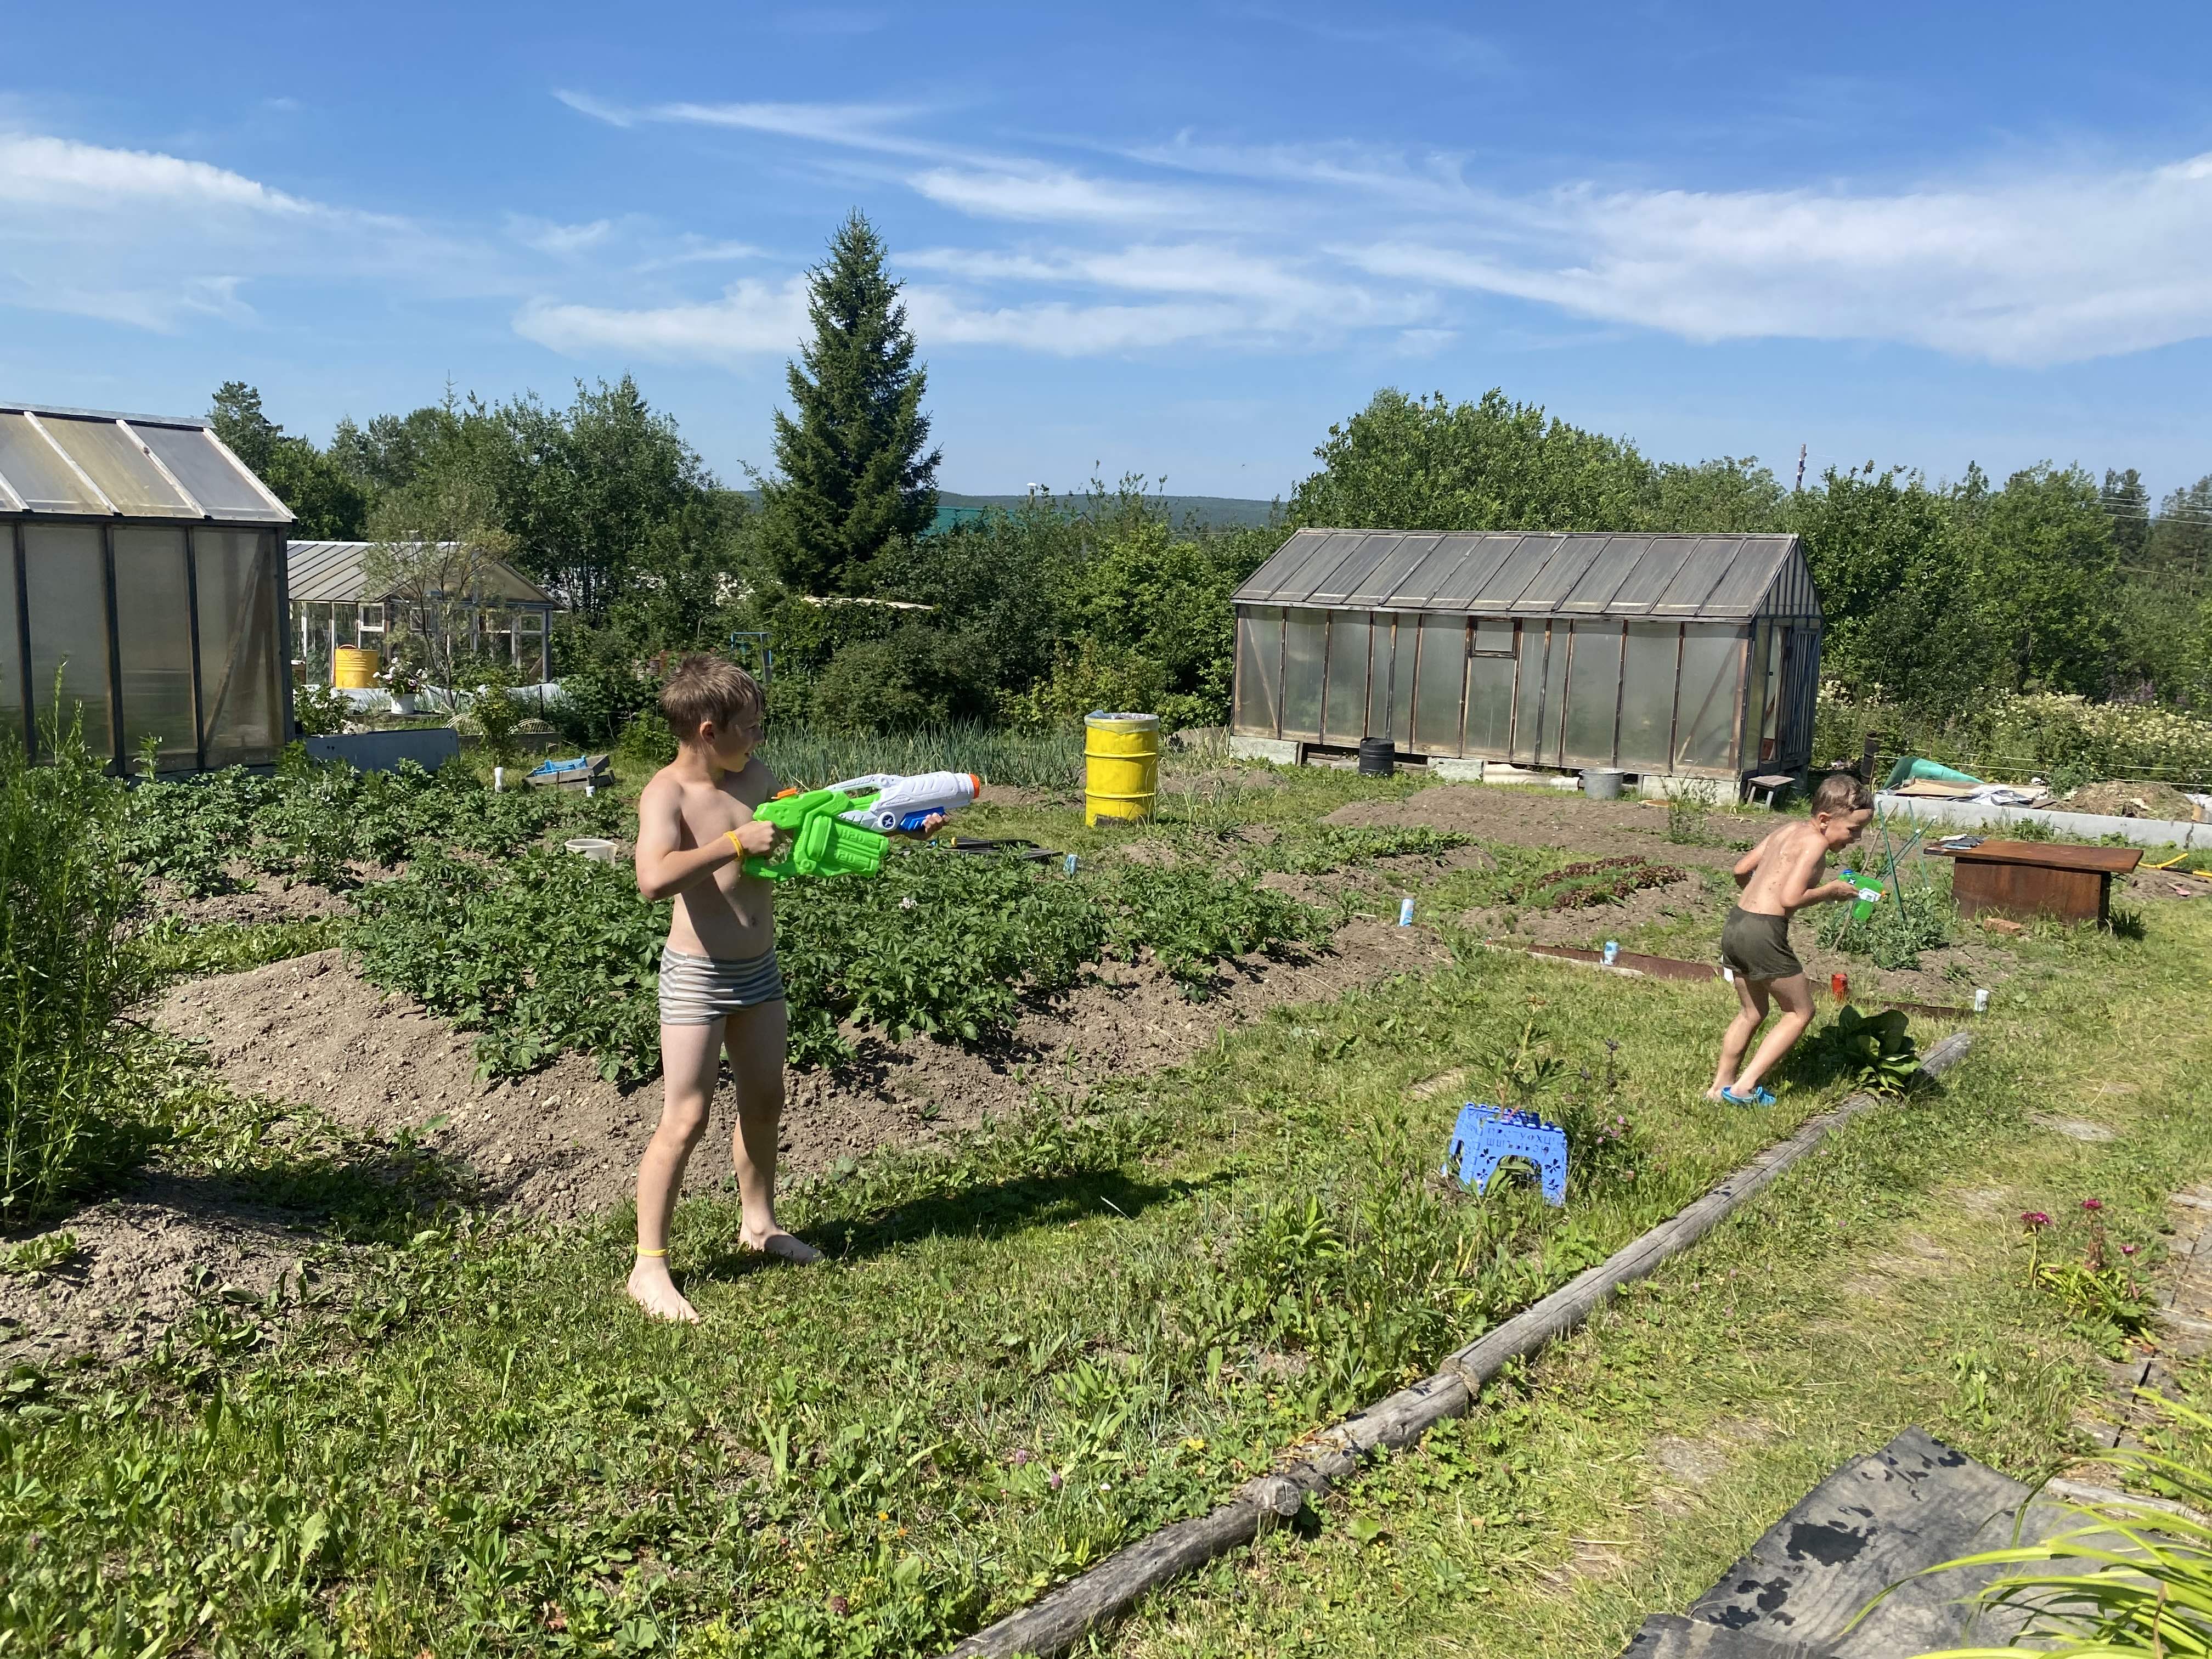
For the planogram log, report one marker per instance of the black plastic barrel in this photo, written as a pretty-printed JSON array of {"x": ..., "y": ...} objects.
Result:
[{"x": 1378, "y": 757}]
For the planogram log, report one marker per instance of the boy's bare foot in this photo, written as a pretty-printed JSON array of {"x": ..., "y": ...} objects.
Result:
[
  {"x": 1715, "y": 1091},
  {"x": 781, "y": 1245},
  {"x": 651, "y": 1289}
]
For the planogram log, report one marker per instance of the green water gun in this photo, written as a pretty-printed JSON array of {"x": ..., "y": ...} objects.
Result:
[
  {"x": 1867, "y": 898},
  {"x": 819, "y": 843}
]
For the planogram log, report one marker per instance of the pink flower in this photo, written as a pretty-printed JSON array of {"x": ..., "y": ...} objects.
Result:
[
  {"x": 2034, "y": 1219},
  {"x": 1021, "y": 1455},
  {"x": 2093, "y": 1205},
  {"x": 2129, "y": 1249},
  {"x": 1053, "y": 1480}
]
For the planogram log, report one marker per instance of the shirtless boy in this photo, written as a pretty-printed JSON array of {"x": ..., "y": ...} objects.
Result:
[
  {"x": 718, "y": 984},
  {"x": 1776, "y": 879}
]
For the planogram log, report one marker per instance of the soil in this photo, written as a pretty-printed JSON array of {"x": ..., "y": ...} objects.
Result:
[
  {"x": 268, "y": 898},
  {"x": 564, "y": 1143},
  {"x": 1524, "y": 817}
]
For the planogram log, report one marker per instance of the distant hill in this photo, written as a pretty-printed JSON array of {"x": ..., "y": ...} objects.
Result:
[
  {"x": 1218, "y": 512},
  {"x": 1222, "y": 512}
]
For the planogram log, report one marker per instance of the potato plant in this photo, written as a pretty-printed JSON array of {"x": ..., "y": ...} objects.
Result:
[{"x": 551, "y": 952}]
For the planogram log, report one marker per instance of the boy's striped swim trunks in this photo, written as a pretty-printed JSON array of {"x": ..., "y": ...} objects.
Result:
[{"x": 701, "y": 990}]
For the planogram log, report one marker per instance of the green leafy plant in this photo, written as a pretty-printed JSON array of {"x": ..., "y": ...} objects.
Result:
[
  {"x": 65, "y": 976},
  {"x": 37, "y": 1255},
  {"x": 2133, "y": 1575},
  {"x": 1594, "y": 881},
  {"x": 317, "y": 710},
  {"x": 1875, "y": 1052},
  {"x": 1909, "y": 919}
]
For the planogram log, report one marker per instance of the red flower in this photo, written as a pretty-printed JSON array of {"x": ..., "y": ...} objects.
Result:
[
  {"x": 2034, "y": 1219},
  {"x": 2093, "y": 1205}
]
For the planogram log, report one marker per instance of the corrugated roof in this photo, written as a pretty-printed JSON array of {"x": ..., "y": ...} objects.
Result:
[
  {"x": 1521, "y": 573},
  {"x": 90, "y": 462},
  {"x": 316, "y": 571}
]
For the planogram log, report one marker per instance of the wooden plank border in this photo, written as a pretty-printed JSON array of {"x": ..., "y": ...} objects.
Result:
[{"x": 1059, "y": 1619}]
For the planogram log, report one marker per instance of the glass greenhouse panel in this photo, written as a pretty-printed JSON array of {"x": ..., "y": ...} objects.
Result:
[
  {"x": 1529, "y": 710},
  {"x": 237, "y": 575},
  {"x": 1344, "y": 711},
  {"x": 220, "y": 488},
  {"x": 37, "y": 473},
  {"x": 1707, "y": 697},
  {"x": 1439, "y": 677},
  {"x": 1383, "y": 690},
  {"x": 1647, "y": 697},
  {"x": 65, "y": 578},
  {"x": 1305, "y": 633},
  {"x": 1259, "y": 669},
  {"x": 1592, "y": 695},
  {"x": 1755, "y": 690},
  {"x": 11, "y": 646},
  {"x": 113, "y": 460},
  {"x": 1490, "y": 704},
  {"x": 153, "y": 633},
  {"x": 1555, "y": 696},
  {"x": 1402, "y": 670}
]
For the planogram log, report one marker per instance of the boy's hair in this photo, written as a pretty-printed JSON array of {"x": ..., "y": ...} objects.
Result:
[
  {"x": 1841, "y": 792},
  {"x": 705, "y": 688}
]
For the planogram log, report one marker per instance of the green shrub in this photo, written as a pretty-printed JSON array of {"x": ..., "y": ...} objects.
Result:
[
  {"x": 317, "y": 710},
  {"x": 1908, "y": 920},
  {"x": 1191, "y": 919},
  {"x": 63, "y": 974}
]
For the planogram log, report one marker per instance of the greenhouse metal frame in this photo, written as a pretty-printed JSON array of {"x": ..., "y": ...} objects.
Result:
[
  {"x": 142, "y": 572},
  {"x": 1682, "y": 655}
]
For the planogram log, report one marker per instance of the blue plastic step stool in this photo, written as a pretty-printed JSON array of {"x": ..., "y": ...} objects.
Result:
[{"x": 1484, "y": 1134}]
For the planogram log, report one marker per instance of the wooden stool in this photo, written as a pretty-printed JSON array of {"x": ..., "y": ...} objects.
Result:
[{"x": 1773, "y": 782}]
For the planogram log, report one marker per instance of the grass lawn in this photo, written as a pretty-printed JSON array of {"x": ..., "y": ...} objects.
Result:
[{"x": 1043, "y": 1338}]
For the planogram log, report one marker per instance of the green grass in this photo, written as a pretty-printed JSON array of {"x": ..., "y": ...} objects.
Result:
[
  {"x": 174, "y": 949},
  {"x": 1881, "y": 1286},
  {"x": 1027, "y": 1348}
]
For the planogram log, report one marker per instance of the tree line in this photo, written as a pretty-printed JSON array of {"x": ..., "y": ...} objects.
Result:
[{"x": 1937, "y": 595}]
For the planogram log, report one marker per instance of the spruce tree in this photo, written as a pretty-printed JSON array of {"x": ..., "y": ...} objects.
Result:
[{"x": 853, "y": 473}]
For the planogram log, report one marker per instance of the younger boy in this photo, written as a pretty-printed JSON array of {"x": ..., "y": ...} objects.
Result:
[
  {"x": 718, "y": 984},
  {"x": 1777, "y": 879}
]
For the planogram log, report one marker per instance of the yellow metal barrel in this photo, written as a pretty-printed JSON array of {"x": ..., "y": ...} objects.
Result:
[
  {"x": 1120, "y": 765},
  {"x": 354, "y": 669}
]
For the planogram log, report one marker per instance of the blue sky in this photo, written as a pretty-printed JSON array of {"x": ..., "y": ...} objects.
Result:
[{"x": 1174, "y": 240}]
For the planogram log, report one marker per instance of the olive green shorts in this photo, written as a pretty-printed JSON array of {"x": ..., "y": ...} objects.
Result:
[{"x": 1758, "y": 946}]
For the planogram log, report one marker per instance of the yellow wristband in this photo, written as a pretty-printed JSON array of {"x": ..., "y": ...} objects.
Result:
[
  {"x": 734, "y": 842},
  {"x": 643, "y": 1251}
]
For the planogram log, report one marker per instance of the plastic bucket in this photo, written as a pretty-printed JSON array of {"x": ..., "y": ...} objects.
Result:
[
  {"x": 1600, "y": 783},
  {"x": 1120, "y": 765},
  {"x": 1378, "y": 757},
  {"x": 354, "y": 669},
  {"x": 592, "y": 847}
]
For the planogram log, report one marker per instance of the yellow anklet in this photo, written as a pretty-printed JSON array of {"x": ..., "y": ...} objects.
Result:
[{"x": 642, "y": 1251}]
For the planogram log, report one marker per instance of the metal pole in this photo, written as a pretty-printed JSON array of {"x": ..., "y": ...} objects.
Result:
[{"x": 114, "y": 654}]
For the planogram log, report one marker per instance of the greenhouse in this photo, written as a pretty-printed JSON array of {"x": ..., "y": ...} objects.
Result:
[
  {"x": 143, "y": 569},
  {"x": 1680, "y": 655},
  {"x": 337, "y": 605}
]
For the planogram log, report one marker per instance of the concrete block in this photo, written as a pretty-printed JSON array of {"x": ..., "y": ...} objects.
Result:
[
  {"x": 1283, "y": 751},
  {"x": 1665, "y": 786},
  {"x": 2090, "y": 826},
  {"x": 1451, "y": 769},
  {"x": 1500, "y": 772}
]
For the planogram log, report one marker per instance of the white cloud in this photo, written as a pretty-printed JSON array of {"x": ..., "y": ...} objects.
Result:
[
  {"x": 158, "y": 241},
  {"x": 852, "y": 126},
  {"x": 751, "y": 317},
  {"x": 559, "y": 240},
  {"x": 1057, "y": 196},
  {"x": 37, "y": 171},
  {"x": 2024, "y": 272}
]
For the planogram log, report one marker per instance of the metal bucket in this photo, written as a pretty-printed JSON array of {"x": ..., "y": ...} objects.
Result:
[{"x": 1602, "y": 783}]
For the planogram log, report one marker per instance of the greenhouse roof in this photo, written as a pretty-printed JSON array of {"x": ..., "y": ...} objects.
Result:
[
  {"x": 316, "y": 571},
  {"x": 86, "y": 463},
  {"x": 1519, "y": 574}
]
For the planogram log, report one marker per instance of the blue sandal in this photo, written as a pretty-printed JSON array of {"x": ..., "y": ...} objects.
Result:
[{"x": 1757, "y": 1097}]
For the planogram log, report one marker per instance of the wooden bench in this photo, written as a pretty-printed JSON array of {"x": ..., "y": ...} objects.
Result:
[{"x": 2037, "y": 879}]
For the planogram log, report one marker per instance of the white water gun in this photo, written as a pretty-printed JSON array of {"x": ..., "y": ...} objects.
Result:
[{"x": 889, "y": 802}]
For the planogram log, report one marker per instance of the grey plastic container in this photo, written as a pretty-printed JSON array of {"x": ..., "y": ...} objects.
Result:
[{"x": 1602, "y": 783}]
